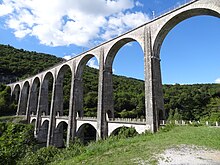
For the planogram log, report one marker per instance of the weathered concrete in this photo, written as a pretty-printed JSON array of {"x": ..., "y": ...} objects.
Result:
[{"x": 150, "y": 37}]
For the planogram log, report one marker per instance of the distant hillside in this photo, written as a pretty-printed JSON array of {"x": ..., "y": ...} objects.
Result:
[
  {"x": 18, "y": 63},
  {"x": 188, "y": 102}
]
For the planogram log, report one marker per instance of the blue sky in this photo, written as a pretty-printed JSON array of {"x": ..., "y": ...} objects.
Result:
[{"x": 190, "y": 53}]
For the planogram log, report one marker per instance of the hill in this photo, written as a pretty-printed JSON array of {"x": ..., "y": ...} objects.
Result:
[
  {"x": 17, "y": 64},
  {"x": 187, "y": 102},
  {"x": 142, "y": 149}
]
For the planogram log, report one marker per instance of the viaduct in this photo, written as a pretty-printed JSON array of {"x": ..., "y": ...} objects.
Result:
[{"x": 32, "y": 93}]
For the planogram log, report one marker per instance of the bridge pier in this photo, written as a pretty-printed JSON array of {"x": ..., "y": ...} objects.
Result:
[
  {"x": 42, "y": 105},
  {"x": 153, "y": 85},
  {"x": 52, "y": 123},
  {"x": 105, "y": 97},
  {"x": 76, "y": 105}
]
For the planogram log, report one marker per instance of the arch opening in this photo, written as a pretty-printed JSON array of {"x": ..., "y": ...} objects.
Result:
[
  {"x": 86, "y": 133},
  {"x": 34, "y": 95},
  {"x": 46, "y": 94},
  {"x": 128, "y": 88},
  {"x": 60, "y": 135},
  {"x": 189, "y": 91},
  {"x": 22, "y": 105},
  {"x": 43, "y": 133},
  {"x": 63, "y": 88},
  {"x": 124, "y": 132},
  {"x": 87, "y": 85}
]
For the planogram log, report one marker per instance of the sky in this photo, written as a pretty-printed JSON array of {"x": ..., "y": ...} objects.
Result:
[{"x": 190, "y": 52}]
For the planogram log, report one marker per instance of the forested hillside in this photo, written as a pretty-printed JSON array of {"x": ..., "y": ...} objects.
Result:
[
  {"x": 188, "y": 102},
  {"x": 18, "y": 63}
]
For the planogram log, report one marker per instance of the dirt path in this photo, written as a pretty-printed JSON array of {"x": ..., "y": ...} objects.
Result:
[{"x": 189, "y": 155}]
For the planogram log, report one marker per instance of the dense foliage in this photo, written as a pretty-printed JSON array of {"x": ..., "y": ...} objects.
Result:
[
  {"x": 18, "y": 63},
  {"x": 15, "y": 141},
  {"x": 6, "y": 106}
]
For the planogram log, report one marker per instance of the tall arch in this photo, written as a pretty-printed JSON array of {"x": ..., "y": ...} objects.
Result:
[
  {"x": 80, "y": 87},
  {"x": 45, "y": 93},
  {"x": 34, "y": 93},
  {"x": 198, "y": 9},
  {"x": 23, "y": 98},
  {"x": 16, "y": 95},
  {"x": 165, "y": 28},
  {"x": 63, "y": 79}
]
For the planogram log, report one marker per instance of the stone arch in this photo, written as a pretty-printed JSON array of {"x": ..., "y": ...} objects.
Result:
[
  {"x": 118, "y": 129},
  {"x": 63, "y": 72},
  {"x": 169, "y": 24},
  {"x": 23, "y": 98},
  {"x": 78, "y": 82},
  {"x": 82, "y": 63},
  {"x": 33, "y": 101},
  {"x": 45, "y": 89},
  {"x": 116, "y": 47},
  {"x": 60, "y": 134},
  {"x": 111, "y": 54},
  {"x": 86, "y": 133},
  {"x": 43, "y": 133},
  {"x": 16, "y": 94},
  {"x": 33, "y": 121}
]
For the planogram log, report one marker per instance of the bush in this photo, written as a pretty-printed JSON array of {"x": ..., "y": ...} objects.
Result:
[
  {"x": 125, "y": 132},
  {"x": 15, "y": 141},
  {"x": 42, "y": 156}
]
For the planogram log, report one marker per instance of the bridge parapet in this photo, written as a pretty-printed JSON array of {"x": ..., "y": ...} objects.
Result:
[
  {"x": 87, "y": 118},
  {"x": 127, "y": 120}
]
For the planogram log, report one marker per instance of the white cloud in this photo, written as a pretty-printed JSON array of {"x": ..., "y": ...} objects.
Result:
[
  {"x": 92, "y": 64},
  {"x": 123, "y": 22},
  {"x": 139, "y": 4},
  {"x": 217, "y": 80},
  {"x": 78, "y": 22},
  {"x": 67, "y": 57}
]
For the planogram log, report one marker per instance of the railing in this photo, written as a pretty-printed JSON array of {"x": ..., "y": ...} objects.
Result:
[
  {"x": 173, "y": 8},
  {"x": 127, "y": 120},
  {"x": 182, "y": 122},
  {"x": 87, "y": 118}
]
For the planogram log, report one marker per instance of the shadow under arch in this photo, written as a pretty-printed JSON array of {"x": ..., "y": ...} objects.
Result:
[
  {"x": 15, "y": 94},
  {"x": 60, "y": 135},
  {"x": 86, "y": 133},
  {"x": 42, "y": 134},
  {"x": 80, "y": 85},
  {"x": 124, "y": 131},
  {"x": 171, "y": 23}
]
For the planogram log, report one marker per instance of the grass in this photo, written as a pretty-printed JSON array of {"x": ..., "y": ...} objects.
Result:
[
  {"x": 14, "y": 119},
  {"x": 143, "y": 148}
]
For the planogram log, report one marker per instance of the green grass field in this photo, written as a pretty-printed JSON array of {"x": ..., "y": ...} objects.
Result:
[{"x": 143, "y": 148}]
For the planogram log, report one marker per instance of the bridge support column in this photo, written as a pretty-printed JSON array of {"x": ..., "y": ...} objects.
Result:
[
  {"x": 76, "y": 105},
  {"x": 105, "y": 98},
  {"x": 153, "y": 85},
  {"x": 42, "y": 105},
  {"x": 56, "y": 106}
]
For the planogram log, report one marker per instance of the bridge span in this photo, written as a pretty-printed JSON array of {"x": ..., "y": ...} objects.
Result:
[
  {"x": 32, "y": 93},
  {"x": 112, "y": 124}
]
